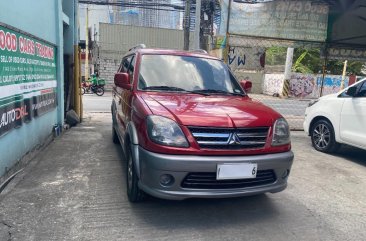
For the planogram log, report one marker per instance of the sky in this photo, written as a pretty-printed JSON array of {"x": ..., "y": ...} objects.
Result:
[{"x": 97, "y": 14}]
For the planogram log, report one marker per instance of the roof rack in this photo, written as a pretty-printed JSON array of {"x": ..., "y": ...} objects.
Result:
[
  {"x": 140, "y": 46},
  {"x": 202, "y": 51}
]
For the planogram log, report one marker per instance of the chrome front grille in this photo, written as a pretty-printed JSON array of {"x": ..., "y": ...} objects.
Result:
[{"x": 230, "y": 138}]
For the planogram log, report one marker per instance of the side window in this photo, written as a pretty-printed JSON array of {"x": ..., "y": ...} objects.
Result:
[
  {"x": 344, "y": 93},
  {"x": 131, "y": 68},
  {"x": 120, "y": 66},
  {"x": 362, "y": 91},
  {"x": 125, "y": 64}
]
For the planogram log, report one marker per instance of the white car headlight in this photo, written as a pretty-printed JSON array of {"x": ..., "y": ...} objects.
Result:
[
  {"x": 281, "y": 133},
  {"x": 165, "y": 131}
]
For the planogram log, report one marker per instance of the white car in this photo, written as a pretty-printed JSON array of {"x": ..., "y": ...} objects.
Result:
[{"x": 338, "y": 119}]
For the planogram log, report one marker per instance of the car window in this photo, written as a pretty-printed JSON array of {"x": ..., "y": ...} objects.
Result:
[
  {"x": 125, "y": 64},
  {"x": 362, "y": 91},
  {"x": 344, "y": 93},
  {"x": 188, "y": 73},
  {"x": 131, "y": 68}
]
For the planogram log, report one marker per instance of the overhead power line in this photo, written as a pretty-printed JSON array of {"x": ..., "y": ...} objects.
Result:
[{"x": 146, "y": 5}]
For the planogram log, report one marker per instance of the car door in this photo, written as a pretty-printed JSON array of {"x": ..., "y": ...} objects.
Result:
[
  {"x": 127, "y": 94},
  {"x": 353, "y": 118},
  {"x": 119, "y": 96}
]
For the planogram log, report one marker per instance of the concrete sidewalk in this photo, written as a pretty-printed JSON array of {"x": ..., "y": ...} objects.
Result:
[
  {"x": 75, "y": 190},
  {"x": 54, "y": 197}
]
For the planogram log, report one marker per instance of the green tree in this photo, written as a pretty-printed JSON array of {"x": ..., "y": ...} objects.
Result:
[
  {"x": 336, "y": 67},
  {"x": 308, "y": 61},
  {"x": 276, "y": 56}
]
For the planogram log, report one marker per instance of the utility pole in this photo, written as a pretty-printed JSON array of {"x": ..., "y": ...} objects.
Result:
[
  {"x": 197, "y": 25},
  {"x": 288, "y": 67},
  {"x": 87, "y": 45},
  {"x": 324, "y": 70},
  {"x": 227, "y": 47},
  {"x": 95, "y": 33},
  {"x": 187, "y": 23},
  {"x": 344, "y": 74}
]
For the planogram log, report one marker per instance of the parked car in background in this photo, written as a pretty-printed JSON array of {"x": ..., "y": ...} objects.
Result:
[
  {"x": 188, "y": 129},
  {"x": 338, "y": 119}
]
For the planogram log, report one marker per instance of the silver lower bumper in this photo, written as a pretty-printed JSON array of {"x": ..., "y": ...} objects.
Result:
[{"x": 153, "y": 165}]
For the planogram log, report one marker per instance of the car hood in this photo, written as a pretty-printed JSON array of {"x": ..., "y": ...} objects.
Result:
[
  {"x": 329, "y": 96},
  {"x": 213, "y": 110}
]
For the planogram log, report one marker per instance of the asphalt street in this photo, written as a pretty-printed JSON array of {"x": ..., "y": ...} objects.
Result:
[
  {"x": 292, "y": 109},
  {"x": 93, "y": 103},
  {"x": 75, "y": 190}
]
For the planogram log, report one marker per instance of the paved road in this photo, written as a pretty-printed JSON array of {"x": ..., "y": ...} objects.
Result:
[
  {"x": 94, "y": 103},
  {"x": 288, "y": 107},
  {"x": 293, "y": 110},
  {"x": 75, "y": 190}
]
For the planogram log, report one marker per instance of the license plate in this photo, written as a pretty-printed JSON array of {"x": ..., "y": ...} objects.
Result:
[{"x": 236, "y": 171}]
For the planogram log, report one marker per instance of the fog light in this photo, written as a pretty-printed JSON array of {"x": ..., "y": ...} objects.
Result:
[
  {"x": 285, "y": 174},
  {"x": 166, "y": 180}
]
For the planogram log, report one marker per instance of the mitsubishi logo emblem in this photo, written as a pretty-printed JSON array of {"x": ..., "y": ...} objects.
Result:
[{"x": 234, "y": 139}]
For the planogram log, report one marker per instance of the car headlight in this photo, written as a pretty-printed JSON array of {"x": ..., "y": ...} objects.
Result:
[
  {"x": 165, "y": 131},
  {"x": 313, "y": 102},
  {"x": 281, "y": 133}
]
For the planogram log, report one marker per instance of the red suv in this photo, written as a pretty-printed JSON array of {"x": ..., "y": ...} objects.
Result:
[{"x": 188, "y": 129}]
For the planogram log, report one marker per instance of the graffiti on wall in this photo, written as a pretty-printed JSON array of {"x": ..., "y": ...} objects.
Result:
[
  {"x": 332, "y": 84},
  {"x": 273, "y": 84},
  {"x": 246, "y": 58},
  {"x": 302, "y": 86}
]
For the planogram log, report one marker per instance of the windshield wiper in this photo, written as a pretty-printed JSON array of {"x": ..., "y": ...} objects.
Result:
[
  {"x": 217, "y": 91},
  {"x": 163, "y": 87},
  {"x": 172, "y": 88}
]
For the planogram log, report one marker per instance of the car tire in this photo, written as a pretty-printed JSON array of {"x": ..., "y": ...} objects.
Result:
[
  {"x": 323, "y": 137},
  {"x": 115, "y": 136},
  {"x": 134, "y": 193}
]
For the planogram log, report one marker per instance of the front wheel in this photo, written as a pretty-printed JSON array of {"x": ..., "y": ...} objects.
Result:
[
  {"x": 99, "y": 91},
  {"x": 114, "y": 136},
  {"x": 82, "y": 90},
  {"x": 323, "y": 137},
  {"x": 134, "y": 193}
]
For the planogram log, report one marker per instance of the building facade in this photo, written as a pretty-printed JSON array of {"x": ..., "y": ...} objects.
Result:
[
  {"x": 37, "y": 42},
  {"x": 114, "y": 43},
  {"x": 157, "y": 14}
]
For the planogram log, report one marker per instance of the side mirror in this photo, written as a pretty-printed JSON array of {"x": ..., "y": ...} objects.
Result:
[
  {"x": 122, "y": 80},
  {"x": 246, "y": 85},
  {"x": 351, "y": 91}
]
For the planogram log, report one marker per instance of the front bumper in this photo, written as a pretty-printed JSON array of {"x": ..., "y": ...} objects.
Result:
[{"x": 153, "y": 165}]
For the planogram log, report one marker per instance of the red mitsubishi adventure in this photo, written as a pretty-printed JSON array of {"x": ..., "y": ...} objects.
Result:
[{"x": 188, "y": 129}]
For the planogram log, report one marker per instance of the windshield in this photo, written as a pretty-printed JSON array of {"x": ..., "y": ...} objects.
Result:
[{"x": 182, "y": 73}]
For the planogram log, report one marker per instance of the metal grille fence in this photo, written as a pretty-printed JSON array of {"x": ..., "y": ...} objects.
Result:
[{"x": 246, "y": 56}]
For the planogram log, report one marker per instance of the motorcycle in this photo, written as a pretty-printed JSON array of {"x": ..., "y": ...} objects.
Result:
[{"x": 89, "y": 87}]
